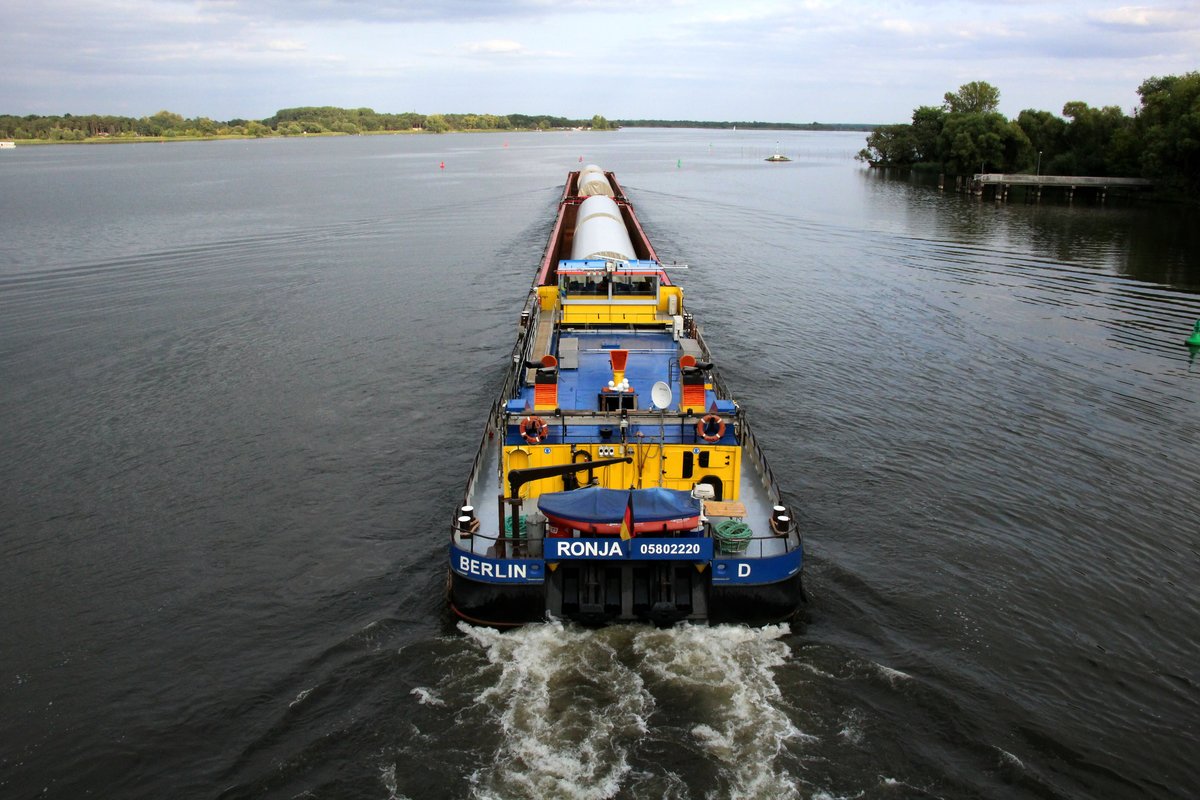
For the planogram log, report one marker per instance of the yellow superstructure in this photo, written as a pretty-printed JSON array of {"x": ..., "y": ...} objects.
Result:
[
  {"x": 583, "y": 309},
  {"x": 681, "y": 466}
]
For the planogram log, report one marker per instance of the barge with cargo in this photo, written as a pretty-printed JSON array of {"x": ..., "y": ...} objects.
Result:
[{"x": 617, "y": 479}]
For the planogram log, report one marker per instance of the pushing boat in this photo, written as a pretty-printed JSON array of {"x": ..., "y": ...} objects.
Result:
[{"x": 617, "y": 479}]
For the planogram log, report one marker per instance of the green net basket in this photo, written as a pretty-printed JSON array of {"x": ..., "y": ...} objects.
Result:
[{"x": 733, "y": 536}]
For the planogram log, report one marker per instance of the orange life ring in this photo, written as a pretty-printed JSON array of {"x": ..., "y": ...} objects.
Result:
[
  {"x": 534, "y": 429},
  {"x": 704, "y": 425}
]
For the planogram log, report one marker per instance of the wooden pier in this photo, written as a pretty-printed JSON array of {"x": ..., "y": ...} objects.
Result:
[{"x": 1035, "y": 184}]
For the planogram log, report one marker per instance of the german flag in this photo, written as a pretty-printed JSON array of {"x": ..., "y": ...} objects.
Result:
[{"x": 627, "y": 520}]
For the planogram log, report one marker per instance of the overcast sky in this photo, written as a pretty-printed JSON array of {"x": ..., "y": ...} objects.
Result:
[{"x": 683, "y": 59}]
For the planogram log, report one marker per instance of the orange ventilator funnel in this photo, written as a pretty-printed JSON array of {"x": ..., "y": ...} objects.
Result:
[{"x": 618, "y": 359}]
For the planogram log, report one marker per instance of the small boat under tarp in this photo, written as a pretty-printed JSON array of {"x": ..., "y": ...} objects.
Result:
[{"x": 597, "y": 510}]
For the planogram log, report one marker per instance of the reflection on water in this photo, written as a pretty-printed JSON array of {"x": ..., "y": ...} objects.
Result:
[{"x": 1130, "y": 236}]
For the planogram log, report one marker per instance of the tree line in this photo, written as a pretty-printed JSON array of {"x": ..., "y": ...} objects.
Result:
[
  {"x": 965, "y": 135},
  {"x": 760, "y": 126},
  {"x": 330, "y": 119},
  {"x": 285, "y": 122}
]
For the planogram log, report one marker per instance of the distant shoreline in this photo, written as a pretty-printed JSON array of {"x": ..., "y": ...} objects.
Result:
[
  {"x": 213, "y": 138},
  {"x": 101, "y": 140},
  {"x": 324, "y": 120}
]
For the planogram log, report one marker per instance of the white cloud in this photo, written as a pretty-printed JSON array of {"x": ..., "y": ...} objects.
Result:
[
  {"x": 1148, "y": 19},
  {"x": 286, "y": 45},
  {"x": 495, "y": 46},
  {"x": 901, "y": 26},
  {"x": 1132, "y": 16}
]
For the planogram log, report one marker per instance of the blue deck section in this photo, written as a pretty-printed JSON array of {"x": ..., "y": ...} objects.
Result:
[
  {"x": 650, "y": 356},
  {"x": 653, "y": 357}
]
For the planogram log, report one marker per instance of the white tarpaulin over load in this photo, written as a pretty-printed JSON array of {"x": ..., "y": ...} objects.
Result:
[
  {"x": 600, "y": 231},
  {"x": 592, "y": 181}
]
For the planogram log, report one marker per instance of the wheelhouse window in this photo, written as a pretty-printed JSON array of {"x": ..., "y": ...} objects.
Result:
[
  {"x": 633, "y": 284},
  {"x": 598, "y": 284}
]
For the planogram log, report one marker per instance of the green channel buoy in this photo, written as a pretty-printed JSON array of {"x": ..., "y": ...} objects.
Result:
[{"x": 1194, "y": 339}]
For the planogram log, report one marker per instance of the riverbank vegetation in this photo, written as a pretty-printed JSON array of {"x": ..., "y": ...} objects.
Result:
[
  {"x": 311, "y": 120},
  {"x": 965, "y": 135},
  {"x": 285, "y": 122},
  {"x": 748, "y": 126}
]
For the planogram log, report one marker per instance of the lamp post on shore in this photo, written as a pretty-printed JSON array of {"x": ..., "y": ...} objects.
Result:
[{"x": 1039, "y": 176}]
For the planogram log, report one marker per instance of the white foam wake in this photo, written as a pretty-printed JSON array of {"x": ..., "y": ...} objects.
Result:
[
  {"x": 744, "y": 723},
  {"x": 568, "y": 709},
  {"x": 574, "y": 704}
]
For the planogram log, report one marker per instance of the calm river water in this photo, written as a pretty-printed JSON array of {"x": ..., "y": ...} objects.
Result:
[{"x": 241, "y": 384}]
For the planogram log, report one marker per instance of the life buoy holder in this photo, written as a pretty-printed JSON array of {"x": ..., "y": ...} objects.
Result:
[
  {"x": 706, "y": 424},
  {"x": 534, "y": 429}
]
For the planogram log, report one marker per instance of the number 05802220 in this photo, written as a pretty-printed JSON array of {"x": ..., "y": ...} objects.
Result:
[{"x": 672, "y": 549}]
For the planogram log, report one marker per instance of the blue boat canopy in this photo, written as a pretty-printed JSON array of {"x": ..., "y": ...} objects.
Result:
[{"x": 596, "y": 504}]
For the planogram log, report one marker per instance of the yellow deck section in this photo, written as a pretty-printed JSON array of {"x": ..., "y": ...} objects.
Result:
[
  {"x": 613, "y": 314},
  {"x": 653, "y": 311},
  {"x": 724, "y": 464}
]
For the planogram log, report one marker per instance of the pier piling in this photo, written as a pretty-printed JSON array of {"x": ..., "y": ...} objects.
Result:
[{"x": 1035, "y": 184}]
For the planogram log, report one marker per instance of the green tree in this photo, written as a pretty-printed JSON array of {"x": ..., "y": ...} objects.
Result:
[
  {"x": 205, "y": 126},
  {"x": 982, "y": 142},
  {"x": 599, "y": 123},
  {"x": 976, "y": 97},
  {"x": 1092, "y": 142},
  {"x": 163, "y": 122},
  {"x": 1168, "y": 126},
  {"x": 1047, "y": 135},
  {"x": 889, "y": 145},
  {"x": 927, "y": 124}
]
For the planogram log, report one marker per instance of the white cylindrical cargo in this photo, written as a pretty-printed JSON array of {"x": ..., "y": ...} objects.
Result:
[
  {"x": 600, "y": 231},
  {"x": 593, "y": 181}
]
